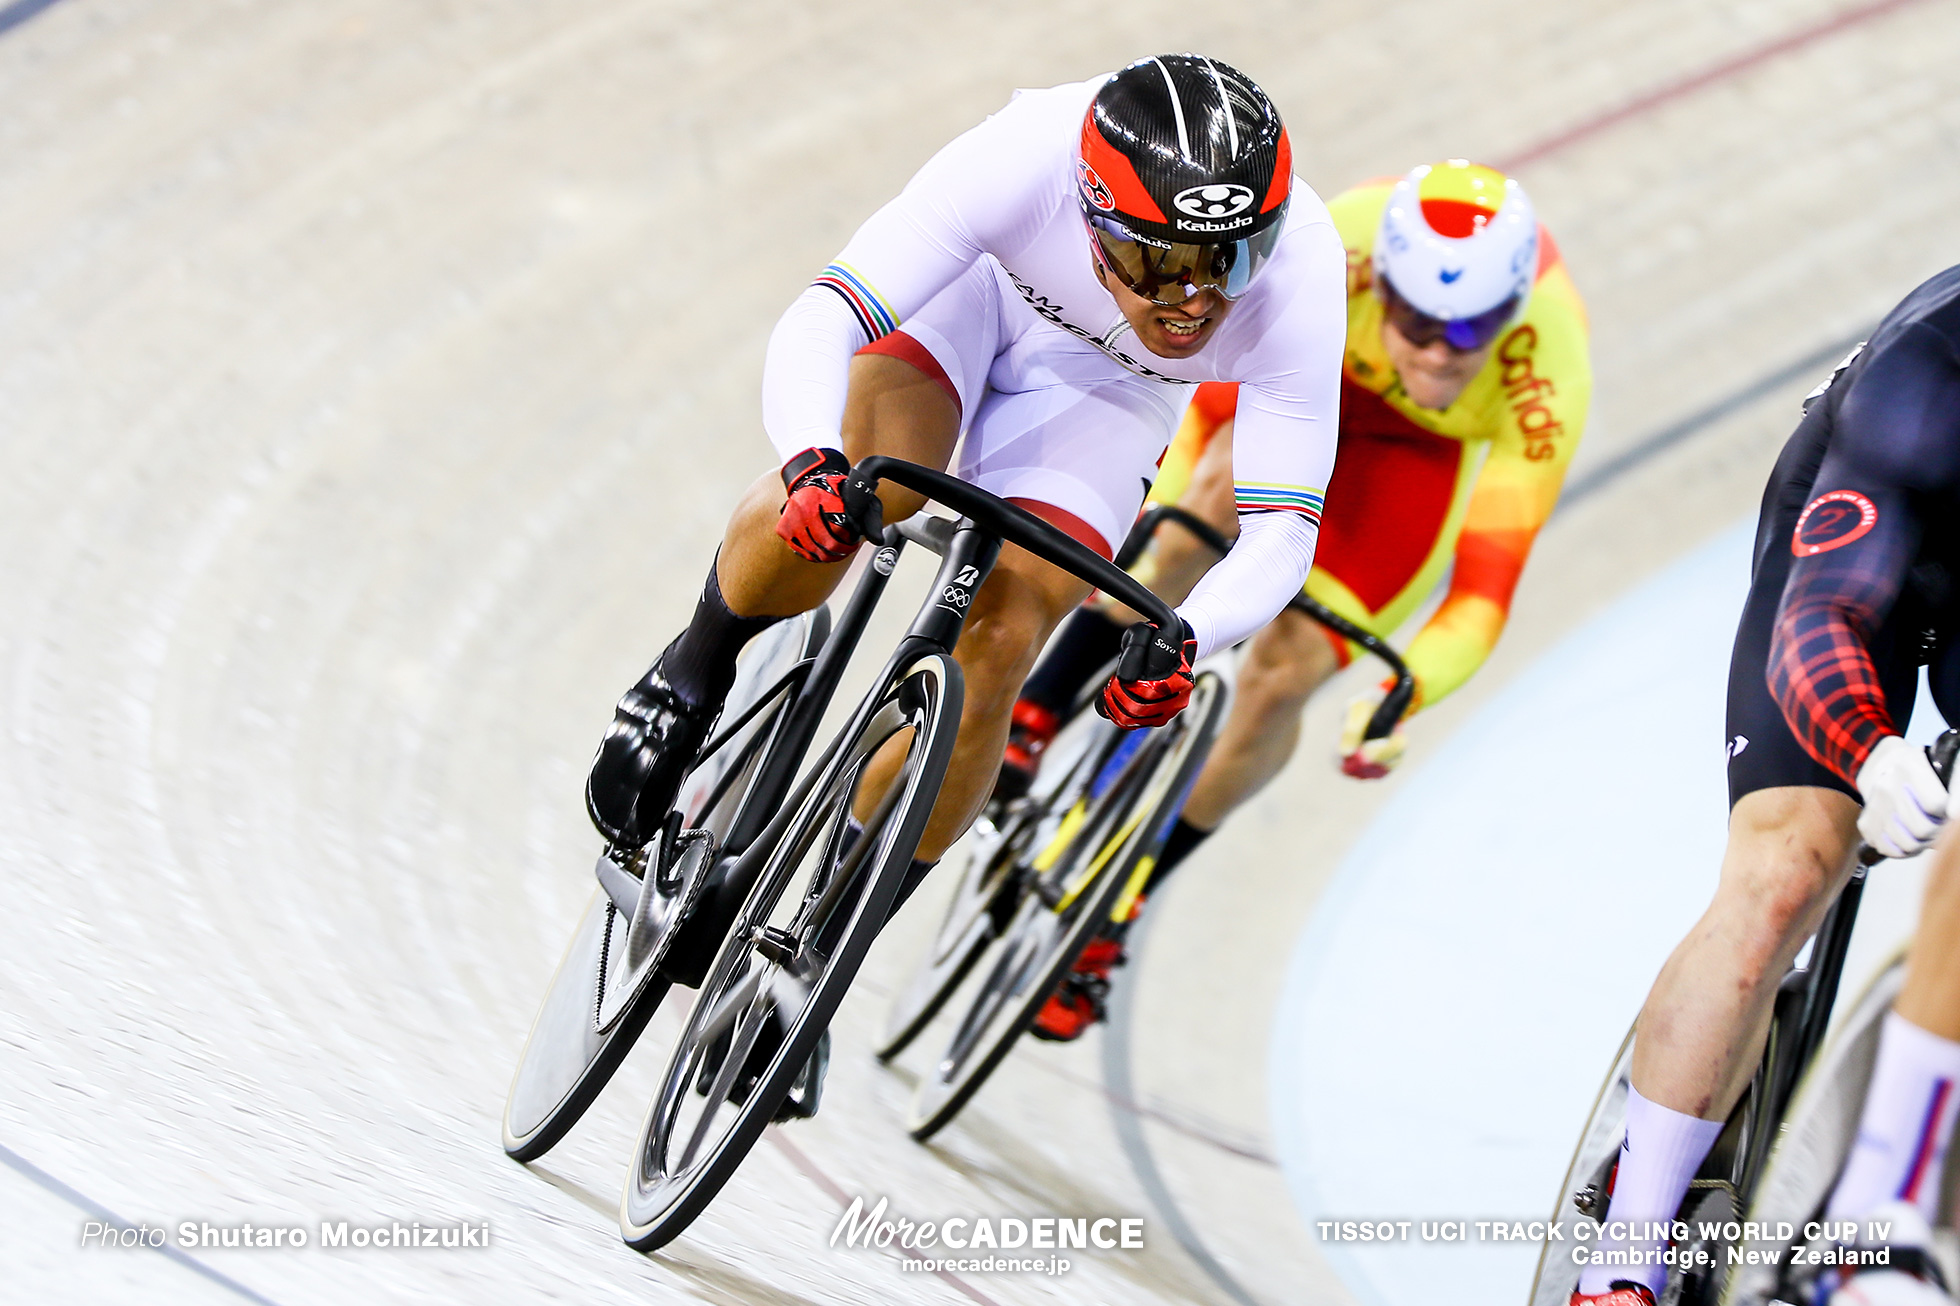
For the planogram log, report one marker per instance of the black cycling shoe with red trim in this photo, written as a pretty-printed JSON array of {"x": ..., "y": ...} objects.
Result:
[
  {"x": 1081, "y": 1000},
  {"x": 1621, "y": 1292},
  {"x": 1033, "y": 728}
]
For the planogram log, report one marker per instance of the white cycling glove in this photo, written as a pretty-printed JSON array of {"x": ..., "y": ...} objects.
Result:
[
  {"x": 1370, "y": 759},
  {"x": 1904, "y": 799}
]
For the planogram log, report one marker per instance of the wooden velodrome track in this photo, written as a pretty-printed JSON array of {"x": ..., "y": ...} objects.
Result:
[{"x": 373, "y": 381}]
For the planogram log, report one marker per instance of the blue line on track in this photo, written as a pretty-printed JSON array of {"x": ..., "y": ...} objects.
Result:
[
  {"x": 20, "y": 11},
  {"x": 28, "y": 1170}
]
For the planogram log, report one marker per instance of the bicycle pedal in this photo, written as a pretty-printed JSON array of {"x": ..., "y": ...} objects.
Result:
[
  {"x": 1586, "y": 1201},
  {"x": 619, "y": 882}
]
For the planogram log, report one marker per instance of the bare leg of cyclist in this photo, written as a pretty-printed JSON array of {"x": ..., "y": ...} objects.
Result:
[
  {"x": 896, "y": 410},
  {"x": 1091, "y": 636},
  {"x": 1702, "y": 1029},
  {"x": 662, "y": 721},
  {"x": 1284, "y": 665},
  {"x": 1931, "y": 997},
  {"x": 1910, "y": 1105}
]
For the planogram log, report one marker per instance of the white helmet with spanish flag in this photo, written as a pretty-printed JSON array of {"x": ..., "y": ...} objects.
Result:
[{"x": 1458, "y": 242}]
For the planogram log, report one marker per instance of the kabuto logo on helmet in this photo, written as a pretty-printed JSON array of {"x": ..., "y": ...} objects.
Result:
[{"x": 1220, "y": 200}]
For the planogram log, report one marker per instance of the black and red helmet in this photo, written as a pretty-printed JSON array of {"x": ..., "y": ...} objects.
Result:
[{"x": 1181, "y": 150}]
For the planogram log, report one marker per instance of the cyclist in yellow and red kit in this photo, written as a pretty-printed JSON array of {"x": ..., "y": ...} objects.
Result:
[{"x": 1464, "y": 392}]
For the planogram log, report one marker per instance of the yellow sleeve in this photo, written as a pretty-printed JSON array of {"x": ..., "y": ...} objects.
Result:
[{"x": 1545, "y": 382}]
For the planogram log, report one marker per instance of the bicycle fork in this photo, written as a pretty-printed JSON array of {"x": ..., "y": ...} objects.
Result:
[{"x": 968, "y": 555}]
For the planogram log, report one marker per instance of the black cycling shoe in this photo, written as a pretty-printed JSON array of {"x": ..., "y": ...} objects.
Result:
[
  {"x": 653, "y": 740},
  {"x": 805, "y": 1091}
]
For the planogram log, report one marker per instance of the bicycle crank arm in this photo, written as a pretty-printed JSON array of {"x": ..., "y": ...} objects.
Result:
[
  {"x": 620, "y": 884},
  {"x": 698, "y": 938}
]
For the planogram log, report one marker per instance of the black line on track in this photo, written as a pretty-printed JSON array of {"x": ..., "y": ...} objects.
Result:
[
  {"x": 1649, "y": 447},
  {"x": 20, "y": 11},
  {"x": 1198, "y": 1133},
  {"x": 28, "y": 1170},
  {"x": 1129, "y": 1126}
]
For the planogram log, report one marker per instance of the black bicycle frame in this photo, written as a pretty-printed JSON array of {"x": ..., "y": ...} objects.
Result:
[{"x": 969, "y": 548}]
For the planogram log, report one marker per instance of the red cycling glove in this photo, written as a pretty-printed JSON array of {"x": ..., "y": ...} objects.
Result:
[
  {"x": 814, "y": 522},
  {"x": 1153, "y": 677}
]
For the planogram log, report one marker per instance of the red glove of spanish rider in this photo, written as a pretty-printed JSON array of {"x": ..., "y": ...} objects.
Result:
[
  {"x": 1153, "y": 677},
  {"x": 813, "y": 522}
]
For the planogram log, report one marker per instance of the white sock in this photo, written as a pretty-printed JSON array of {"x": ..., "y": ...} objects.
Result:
[
  {"x": 1658, "y": 1158},
  {"x": 1908, "y": 1118}
]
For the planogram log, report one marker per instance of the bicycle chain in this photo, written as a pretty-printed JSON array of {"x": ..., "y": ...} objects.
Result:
[{"x": 605, "y": 962}]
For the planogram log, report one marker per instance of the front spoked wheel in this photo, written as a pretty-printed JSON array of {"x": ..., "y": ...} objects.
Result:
[
  {"x": 819, "y": 896},
  {"x": 1099, "y": 854}
]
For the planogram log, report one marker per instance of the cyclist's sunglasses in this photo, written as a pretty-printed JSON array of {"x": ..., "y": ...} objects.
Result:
[
  {"x": 1170, "y": 274},
  {"x": 1463, "y": 334}
]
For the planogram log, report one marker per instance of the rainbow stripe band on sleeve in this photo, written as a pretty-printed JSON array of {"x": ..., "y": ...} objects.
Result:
[
  {"x": 873, "y": 316},
  {"x": 1259, "y": 496}
]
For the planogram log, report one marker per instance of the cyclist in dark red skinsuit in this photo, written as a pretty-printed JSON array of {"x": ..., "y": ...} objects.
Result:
[{"x": 1851, "y": 593}]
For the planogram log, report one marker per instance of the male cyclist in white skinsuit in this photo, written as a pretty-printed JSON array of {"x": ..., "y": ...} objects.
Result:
[{"x": 1040, "y": 294}]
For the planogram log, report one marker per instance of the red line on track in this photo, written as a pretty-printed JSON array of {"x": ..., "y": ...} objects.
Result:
[
  {"x": 813, "y": 1172},
  {"x": 1707, "y": 77}
]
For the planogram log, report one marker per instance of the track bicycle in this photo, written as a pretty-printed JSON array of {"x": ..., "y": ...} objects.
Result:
[
  {"x": 765, "y": 889},
  {"x": 1050, "y": 870},
  {"x": 1731, "y": 1179}
]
